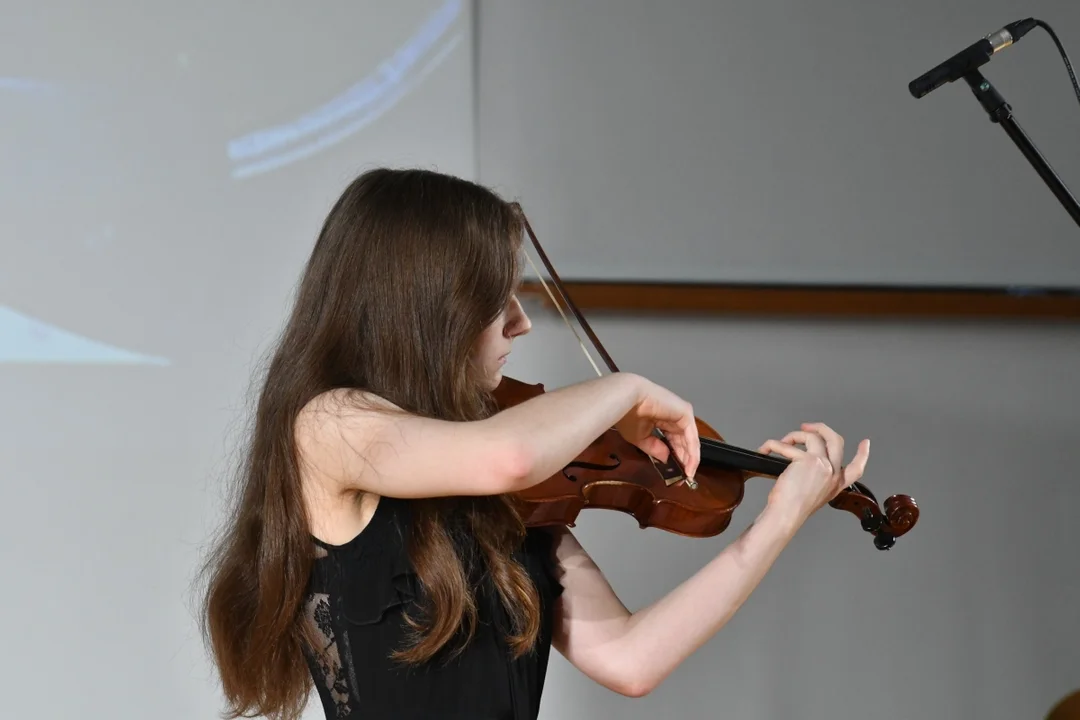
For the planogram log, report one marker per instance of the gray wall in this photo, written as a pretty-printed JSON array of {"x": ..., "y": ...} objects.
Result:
[
  {"x": 776, "y": 140},
  {"x": 973, "y": 613}
]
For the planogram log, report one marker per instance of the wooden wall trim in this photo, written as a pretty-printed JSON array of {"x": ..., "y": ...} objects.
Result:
[{"x": 812, "y": 301}]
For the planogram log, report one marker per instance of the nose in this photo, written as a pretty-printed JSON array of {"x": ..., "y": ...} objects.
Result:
[{"x": 519, "y": 322}]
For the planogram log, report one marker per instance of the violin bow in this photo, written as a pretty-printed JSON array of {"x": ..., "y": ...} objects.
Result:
[{"x": 673, "y": 459}]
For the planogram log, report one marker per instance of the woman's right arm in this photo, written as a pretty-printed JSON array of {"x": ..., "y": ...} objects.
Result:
[{"x": 347, "y": 447}]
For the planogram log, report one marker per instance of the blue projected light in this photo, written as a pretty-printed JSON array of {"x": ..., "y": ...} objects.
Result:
[
  {"x": 25, "y": 340},
  {"x": 357, "y": 107},
  {"x": 27, "y": 85}
]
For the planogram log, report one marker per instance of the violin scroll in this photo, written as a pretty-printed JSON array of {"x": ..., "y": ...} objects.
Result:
[{"x": 899, "y": 515}]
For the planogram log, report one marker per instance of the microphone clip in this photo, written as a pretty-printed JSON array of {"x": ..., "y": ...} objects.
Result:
[{"x": 970, "y": 58}]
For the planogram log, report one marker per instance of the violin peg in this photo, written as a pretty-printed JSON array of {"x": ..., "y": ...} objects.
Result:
[{"x": 884, "y": 541}]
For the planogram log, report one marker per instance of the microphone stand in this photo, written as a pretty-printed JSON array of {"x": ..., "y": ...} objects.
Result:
[{"x": 1001, "y": 113}]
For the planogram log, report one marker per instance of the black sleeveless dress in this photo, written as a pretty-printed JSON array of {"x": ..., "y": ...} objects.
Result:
[{"x": 357, "y": 596}]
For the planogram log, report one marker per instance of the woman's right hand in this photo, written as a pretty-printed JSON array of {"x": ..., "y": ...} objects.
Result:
[
  {"x": 817, "y": 474},
  {"x": 658, "y": 407}
]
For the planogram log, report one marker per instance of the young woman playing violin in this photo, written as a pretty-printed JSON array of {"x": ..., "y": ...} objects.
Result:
[{"x": 375, "y": 552}]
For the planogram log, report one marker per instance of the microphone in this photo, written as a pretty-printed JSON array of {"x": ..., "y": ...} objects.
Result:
[{"x": 971, "y": 58}]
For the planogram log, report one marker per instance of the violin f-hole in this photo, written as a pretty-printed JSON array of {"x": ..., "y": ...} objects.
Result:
[{"x": 615, "y": 463}]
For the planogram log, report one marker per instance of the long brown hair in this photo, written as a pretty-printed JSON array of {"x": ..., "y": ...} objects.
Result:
[{"x": 409, "y": 268}]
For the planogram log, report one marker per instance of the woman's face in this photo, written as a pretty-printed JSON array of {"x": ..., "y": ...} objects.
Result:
[{"x": 494, "y": 343}]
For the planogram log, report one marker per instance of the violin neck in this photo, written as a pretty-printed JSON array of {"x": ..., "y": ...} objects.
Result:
[{"x": 719, "y": 454}]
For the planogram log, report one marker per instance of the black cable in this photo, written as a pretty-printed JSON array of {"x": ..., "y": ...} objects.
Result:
[{"x": 1064, "y": 55}]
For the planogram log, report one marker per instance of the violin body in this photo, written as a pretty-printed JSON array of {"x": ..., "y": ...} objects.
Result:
[{"x": 613, "y": 474}]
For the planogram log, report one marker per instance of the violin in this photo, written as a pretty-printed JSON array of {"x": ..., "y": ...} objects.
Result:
[{"x": 614, "y": 474}]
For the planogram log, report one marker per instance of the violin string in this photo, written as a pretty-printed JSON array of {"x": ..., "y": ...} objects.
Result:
[{"x": 585, "y": 350}]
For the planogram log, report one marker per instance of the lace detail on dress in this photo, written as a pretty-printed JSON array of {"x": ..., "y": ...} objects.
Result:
[{"x": 328, "y": 657}]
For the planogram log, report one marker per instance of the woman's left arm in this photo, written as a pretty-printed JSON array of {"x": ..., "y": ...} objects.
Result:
[{"x": 632, "y": 653}]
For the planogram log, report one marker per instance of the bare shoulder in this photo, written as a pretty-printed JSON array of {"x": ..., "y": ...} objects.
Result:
[
  {"x": 333, "y": 415},
  {"x": 333, "y": 408},
  {"x": 333, "y": 427}
]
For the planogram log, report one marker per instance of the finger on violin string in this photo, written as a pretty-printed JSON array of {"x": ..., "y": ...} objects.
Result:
[
  {"x": 788, "y": 439},
  {"x": 767, "y": 446},
  {"x": 822, "y": 429},
  {"x": 812, "y": 441},
  {"x": 834, "y": 443},
  {"x": 833, "y": 439},
  {"x": 780, "y": 448}
]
